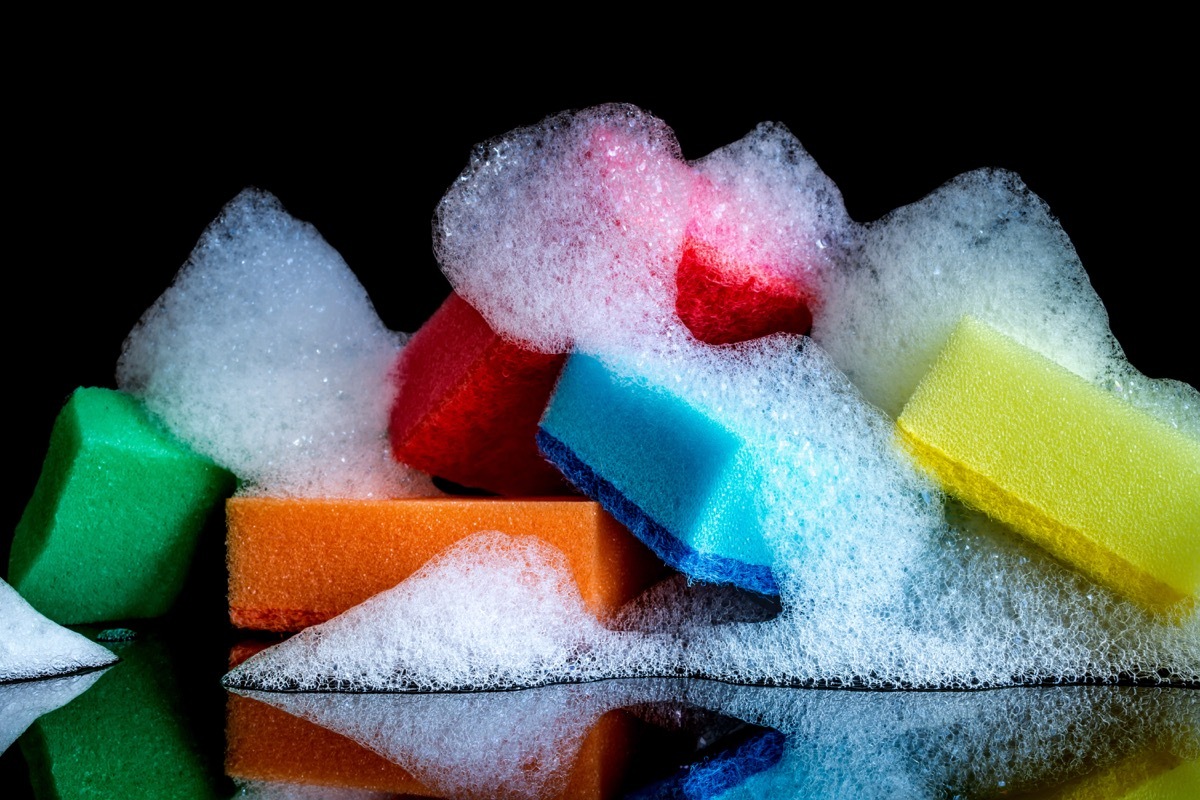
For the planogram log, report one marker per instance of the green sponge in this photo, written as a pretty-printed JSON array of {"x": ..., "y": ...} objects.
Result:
[
  {"x": 131, "y": 735},
  {"x": 1104, "y": 486},
  {"x": 113, "y": 521}
]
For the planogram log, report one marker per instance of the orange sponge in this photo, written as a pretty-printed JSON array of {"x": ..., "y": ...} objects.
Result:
[
  {"x": 298, "y": 562},
  {"x": 264, "y": 743}
]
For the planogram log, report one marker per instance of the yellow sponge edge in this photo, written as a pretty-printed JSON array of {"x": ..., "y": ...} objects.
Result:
[{"x": 1101, "y": 485}]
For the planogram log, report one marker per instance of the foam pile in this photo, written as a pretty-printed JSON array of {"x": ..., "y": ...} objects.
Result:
[
  {"x": 297, "y": 562},
  {"x": 766, "y": 226},
  {"x": 517, "y": 615},
  {"x": 569, "y": 231},
  {"x": 982, "y": 245},
  {"x": 772, "y": 464},
  {"x": 33, "y": 647},
  {"x": 266, "y": 355}
]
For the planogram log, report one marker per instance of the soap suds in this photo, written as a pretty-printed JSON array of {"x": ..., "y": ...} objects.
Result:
[
  {"x": 33, "y": 647},
  {"x": 266, "y": 355}
]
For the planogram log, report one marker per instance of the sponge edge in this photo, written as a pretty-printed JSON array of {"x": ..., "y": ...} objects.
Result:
[
  {"x": 113, "y": 521},
  {"x": 1099, "y": 484}
]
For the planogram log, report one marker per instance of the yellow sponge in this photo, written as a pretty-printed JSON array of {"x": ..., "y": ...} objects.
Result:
[{"x": 1102, "y": 485}]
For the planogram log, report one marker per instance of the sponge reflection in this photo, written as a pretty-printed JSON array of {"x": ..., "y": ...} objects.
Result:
[{"x": 679, "y": 738}]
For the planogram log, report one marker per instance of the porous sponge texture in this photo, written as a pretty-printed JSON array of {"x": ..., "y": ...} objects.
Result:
[
  {"x": 675, "y": 476},
  {"x": 113, "y": 521},
  {"x": 295, "y": 563},
  {"x": 127, "y": 736},
  {"x": 469, "y": 404},
  {"x": 721, "y": 300},
  {"x": 266, "y": 744},
  {"x": 1100, "y": 484}
]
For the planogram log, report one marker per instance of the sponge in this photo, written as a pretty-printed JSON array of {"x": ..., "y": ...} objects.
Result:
[
  {"x": 469, "y": 403},
  {"x": 128, "y": 736},
  {"x": 265, "y": 743},
  {"x": 671, "y": 474},
  {"x": 1101, "y": 485},
  {"x": 295, "y": 563},
  {"x": 765, "y": 224},
  {"x": 113, "y": 521},
  {"x": 722, "y": 300}
]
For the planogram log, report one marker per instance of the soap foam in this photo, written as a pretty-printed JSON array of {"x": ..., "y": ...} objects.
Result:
[
  {"x": 569, "y": 230},
  {"x": 266, "y": 355},
  {"x": 983, "y": 245},
  {"x": 964, "y": 607},
  {"x": 33, "y": 647},
  {"x": 492, "y": 605},
  {"x": 764, "y": 201}
]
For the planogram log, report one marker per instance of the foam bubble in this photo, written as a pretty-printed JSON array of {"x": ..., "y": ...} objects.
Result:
[{"x": 266, "y": 355}]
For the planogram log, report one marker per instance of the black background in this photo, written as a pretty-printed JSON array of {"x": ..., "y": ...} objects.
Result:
[{"x": 118, "y": 167}]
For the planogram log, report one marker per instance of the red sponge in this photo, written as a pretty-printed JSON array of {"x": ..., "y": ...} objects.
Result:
[
  {"x": 722, "y": 299},
  {"x": 469, "y": 405}
]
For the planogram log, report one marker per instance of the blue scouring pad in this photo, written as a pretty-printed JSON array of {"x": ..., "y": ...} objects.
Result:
[{"x": 679, "y": 480}]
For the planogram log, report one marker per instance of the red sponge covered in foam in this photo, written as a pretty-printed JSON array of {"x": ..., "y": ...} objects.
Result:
[{"x": 723, "y": 299}]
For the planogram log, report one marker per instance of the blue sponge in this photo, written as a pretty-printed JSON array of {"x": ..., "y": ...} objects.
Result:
[
  {"x": 721, "y": 773},
  {"x": 679, "y": 480}
]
